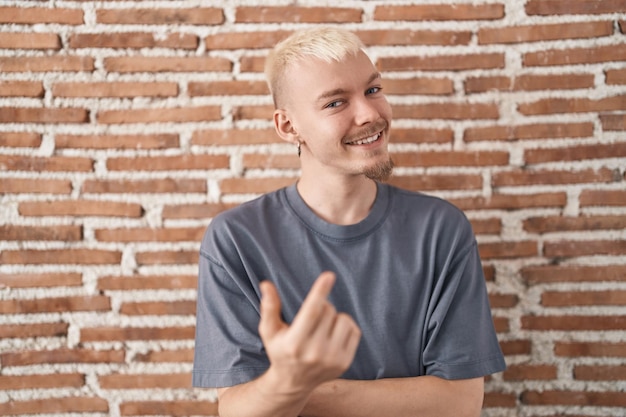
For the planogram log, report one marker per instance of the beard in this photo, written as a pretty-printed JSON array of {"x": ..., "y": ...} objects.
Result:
[{"x": 379, "y": 172}]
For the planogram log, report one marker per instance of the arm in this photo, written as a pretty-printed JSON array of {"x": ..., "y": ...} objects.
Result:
[
  {"x": 402, "y": 397},
  {"x": 317, "y": 347}
]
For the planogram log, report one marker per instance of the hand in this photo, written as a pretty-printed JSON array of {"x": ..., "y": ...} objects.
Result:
[{"x": 317, "y": 347}]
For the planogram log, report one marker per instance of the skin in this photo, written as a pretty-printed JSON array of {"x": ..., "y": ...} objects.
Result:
[{"x": 330, "y": 108}]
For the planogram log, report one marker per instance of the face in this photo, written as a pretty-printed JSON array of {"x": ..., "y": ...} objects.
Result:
[{"x": 338, "y": 112}]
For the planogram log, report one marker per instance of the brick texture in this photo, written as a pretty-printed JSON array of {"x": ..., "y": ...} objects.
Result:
[{"x": 126, "y": 126}]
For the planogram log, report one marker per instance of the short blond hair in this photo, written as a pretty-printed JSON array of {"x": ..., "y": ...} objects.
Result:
[{"x": 325, "y": 43}]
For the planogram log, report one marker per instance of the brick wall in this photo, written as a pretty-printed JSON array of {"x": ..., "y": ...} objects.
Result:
[{"x": 126, "y": 125}]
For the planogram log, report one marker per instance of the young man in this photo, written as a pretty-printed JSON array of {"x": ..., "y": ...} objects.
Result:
[{"x": 341, "y": 295}]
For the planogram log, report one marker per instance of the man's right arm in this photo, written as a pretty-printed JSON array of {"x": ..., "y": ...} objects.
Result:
[{"x": 317, "y": 347}]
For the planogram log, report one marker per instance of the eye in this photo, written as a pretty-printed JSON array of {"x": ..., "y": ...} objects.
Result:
[
  {"x": 333, "y": 104},
  {"x": 373, "y": 90}
]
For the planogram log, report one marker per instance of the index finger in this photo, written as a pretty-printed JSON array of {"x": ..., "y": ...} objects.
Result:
[{"x": 314, "y": 303}]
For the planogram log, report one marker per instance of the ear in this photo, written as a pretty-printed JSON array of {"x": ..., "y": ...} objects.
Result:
[{"x": 284, "y": 127}]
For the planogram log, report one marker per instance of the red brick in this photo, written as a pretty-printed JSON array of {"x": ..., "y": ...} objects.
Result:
[
  {"x": 34, "y": 15},
  {"x": 613, "y": 122},
  {"x": 20, "y": 139},
  {"x": 422, "y": 135},
  {"x": 529, "y": 372},
  {"x": 273, "y": 161},
  {"x": 590, "y": 349},
  {"x": 132, "y": 40},
  {"x": 26, "y": 331},
  {"x": 573, "y": 105},
  {"x": 41, "y": 381},
  {"x": 427, "y": 86},
  {"x": 451, "y": 158},
  {"x": 615, "y": 76},
  {"x": 167, "y": 258},
  {"x": 600, "y": 372},
  {"x": 298, "y": 14},
  {"x": 145, "y": 381},
  {"x": 503, "y": 300},
  {"x": 530, "y": 131},
  {"x": 156, "y": 356},
  {"x": 168, "y": 163},
  {"x": 545, "y": 177},
  {"x": 501, "y": 324},
  {"x": 499, "y": 400},
  {"x": 174, "y": 408},
  {"x": 507, "y": 250},
  {"x": 549, "y": 32},
  {"x": 194, "y": 211},
  {"x": 560, "y": 223},
  {"x": 115, "y": 89},
  {"x": 42, "y": 115},
  {"x": 162, "y": 16},
  {"x": 29, "y": 40},
  {"x": 447, "y": 111},
  {"x": 60, "y": 63},
  {"x": 60, "y": 256},
  {"x": 156, "y": 141},
  {"x": 574, "y": 398},
  {"x": 234, "y": 137},
  {"x": 126, "y": 64},
  {"x": 438, "y": 182},
  {"x": 80, "y": 208},
  {"x": 551, "y": 7},
  {"x": 573, "y": 56},
  {"x": 37, "y": 186},
  {"x": 160, "y": 115},
  {"x": 584, "y": 248},
  {"x": 141, "y": 282},
  {"x": 576, "y": 273},
  {"x": 583, "y": 298},
  {"x": 574, "y": 323},
  {"x": 262, "y": 112},
  {"x": 442, "y": 62},
  {"x": 55, "y": 305},
  {"x": 51, "y": 163},
  {"x": 62, "y": 356},
  {"x": 440, "y": 12},
  {"x": 576, "y": 153},
  {"x": 590, "y": 198},
  {"x": 166, "y": 185},
  {"x": 32, "y": 280},
  {"x": 252, "y": 64},
  {"x": 125, "y": 334},
  {"x": 43, "y": 233},
  {"x": 516, "y": 347},
  {"x": 253, "y": 185},
  {"x": 511, "y": 201},
  {"x": 159, "y": 308},
  {"x": 65, "y": 405},
  {"x": 406, "y": 37},
  {"x": 244, "y": 40},
  {"x": 168, "y": 234},
  {"x": 228, "y": 88},
  {"x": 529, "y": 83},
  {"x": 21, "y": 89}
]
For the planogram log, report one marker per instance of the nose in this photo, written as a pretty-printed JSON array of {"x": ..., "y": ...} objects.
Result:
[{"x": 365, "y": 111}]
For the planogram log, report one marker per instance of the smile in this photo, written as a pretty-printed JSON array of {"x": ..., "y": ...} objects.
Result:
[{"x": 366, "y": 141}]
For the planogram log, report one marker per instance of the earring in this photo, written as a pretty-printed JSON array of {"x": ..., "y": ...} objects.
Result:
[{"x": 299, "y": 150}]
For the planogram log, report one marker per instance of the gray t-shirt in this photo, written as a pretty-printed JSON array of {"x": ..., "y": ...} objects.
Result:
[{"x": 409, "y": 274}]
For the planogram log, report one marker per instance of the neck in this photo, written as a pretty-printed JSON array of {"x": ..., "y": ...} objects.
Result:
[{"x": 342, "y": 201}]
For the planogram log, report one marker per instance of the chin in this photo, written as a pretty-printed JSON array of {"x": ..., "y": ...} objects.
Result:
[{"x": 381, "y": 171}]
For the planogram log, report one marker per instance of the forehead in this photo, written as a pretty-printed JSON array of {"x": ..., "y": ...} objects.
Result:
[{"x": 314, "y": 77}]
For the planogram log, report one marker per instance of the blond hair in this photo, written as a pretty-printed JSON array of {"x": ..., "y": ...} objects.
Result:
[{"x": 325, "y": 43}]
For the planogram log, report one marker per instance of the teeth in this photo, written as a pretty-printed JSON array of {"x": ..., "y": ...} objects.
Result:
[{"x": 366, "y": 140}]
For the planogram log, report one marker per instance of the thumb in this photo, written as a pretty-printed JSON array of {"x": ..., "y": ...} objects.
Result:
[{"x": 271, "y": 321}]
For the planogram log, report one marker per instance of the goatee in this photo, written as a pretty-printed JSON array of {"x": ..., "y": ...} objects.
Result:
[{"x": 380, "y": 172}]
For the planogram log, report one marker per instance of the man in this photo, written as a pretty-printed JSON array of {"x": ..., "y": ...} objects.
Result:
[{"x": 341, "y": 295}]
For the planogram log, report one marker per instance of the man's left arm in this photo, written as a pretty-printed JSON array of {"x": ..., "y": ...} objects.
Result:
[{"x": 422, "y": 396}]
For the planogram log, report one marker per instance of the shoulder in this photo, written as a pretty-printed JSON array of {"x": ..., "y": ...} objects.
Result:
[{"x": 424, "y": 204}]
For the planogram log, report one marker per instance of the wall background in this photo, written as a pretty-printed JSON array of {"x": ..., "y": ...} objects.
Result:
[{"x": 126, "y": 125}]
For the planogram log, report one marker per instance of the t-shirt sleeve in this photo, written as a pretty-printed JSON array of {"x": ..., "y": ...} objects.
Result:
[
  {"x": 462, "y": 341},
  {"x": 228, "y": 350}
]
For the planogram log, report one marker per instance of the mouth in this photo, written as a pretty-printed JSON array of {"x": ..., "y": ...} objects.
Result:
[{"x": 365, "y": 141}]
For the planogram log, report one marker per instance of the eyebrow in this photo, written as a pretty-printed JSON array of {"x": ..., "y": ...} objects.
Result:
[{"x": 339, "y": 91}]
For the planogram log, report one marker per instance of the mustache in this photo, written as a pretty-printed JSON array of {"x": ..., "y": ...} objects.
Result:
[{"x": 370, "y": 130}]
